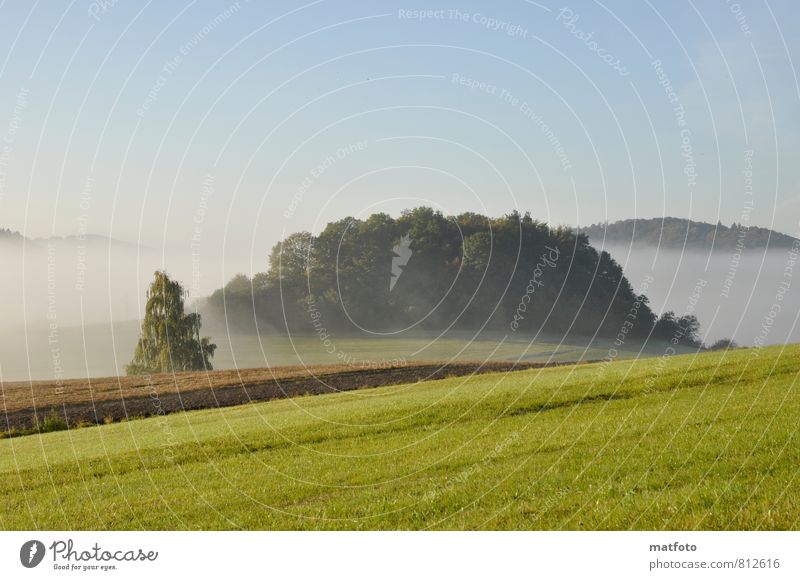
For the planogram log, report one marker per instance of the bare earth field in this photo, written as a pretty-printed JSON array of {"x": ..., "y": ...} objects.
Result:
[{"x": 110, "y": 399}]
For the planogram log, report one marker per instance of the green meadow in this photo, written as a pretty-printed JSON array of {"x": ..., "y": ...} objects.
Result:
[{"x": 703, "y": 441}]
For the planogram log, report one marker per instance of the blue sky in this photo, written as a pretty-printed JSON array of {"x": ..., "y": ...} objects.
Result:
[{"x": 232, "y": 123}]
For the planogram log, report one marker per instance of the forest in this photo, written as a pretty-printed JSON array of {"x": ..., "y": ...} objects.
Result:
[{"x": 426, "y": 271}]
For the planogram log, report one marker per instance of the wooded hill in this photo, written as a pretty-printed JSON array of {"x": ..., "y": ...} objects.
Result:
[
  {"x": 428, "y": 271},
  {"x": 678, "y": 233}
]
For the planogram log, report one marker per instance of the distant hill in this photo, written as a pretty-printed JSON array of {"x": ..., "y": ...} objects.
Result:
[
  {"x": 677, "y": 233},
  {"x": 7, "y": 235}
]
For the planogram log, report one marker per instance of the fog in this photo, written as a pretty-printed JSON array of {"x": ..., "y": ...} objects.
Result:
[
  {"x": 72, "y": 309},
  {"x": 732, "y": 299}
]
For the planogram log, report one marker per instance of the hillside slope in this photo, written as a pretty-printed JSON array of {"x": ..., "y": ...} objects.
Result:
[
  {"x": 678, "y": 233},
  {"x": 692, "y": 442}
]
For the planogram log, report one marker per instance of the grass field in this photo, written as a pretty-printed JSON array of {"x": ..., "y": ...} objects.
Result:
[{"x": 691, "y": 442}]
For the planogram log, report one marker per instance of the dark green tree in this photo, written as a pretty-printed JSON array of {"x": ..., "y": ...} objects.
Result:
[
  {"x": 170, "y": 339},
  {"x": 683, "y": 330}
]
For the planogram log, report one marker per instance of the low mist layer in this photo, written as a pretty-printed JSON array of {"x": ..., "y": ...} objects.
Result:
[
  {"x": 72, "y": 308},
  {"x": 733, "y": 296}
]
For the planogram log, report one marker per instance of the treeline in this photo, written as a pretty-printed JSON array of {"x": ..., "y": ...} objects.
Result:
[
  {"x": 428, "y": 271},
  {"x": 10, "y": 235},
  {"x": 678, "y": 233}
]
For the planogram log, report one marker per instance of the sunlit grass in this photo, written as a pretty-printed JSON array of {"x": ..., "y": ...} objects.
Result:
[{"x": 707, "y": 441}]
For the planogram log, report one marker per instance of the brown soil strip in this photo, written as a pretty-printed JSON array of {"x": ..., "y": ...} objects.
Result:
[{"x": 117, "y": 398}]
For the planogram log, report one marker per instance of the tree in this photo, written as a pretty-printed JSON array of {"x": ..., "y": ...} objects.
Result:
[
  {"x": 170, "y": 339},
  {"x": 292, "y": 260},
  {"x": 689, "y": 330},
  {"x": 683, "y": 330}
]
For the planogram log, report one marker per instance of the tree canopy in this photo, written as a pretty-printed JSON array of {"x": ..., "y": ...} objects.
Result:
[{"x": 428, "y": 271}]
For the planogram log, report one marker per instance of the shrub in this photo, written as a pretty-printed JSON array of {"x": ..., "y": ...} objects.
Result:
[
  {"x": 52, "y": 422},
  {"x": 723, "y": 344},
  {"x": 9, "y": 434}
]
